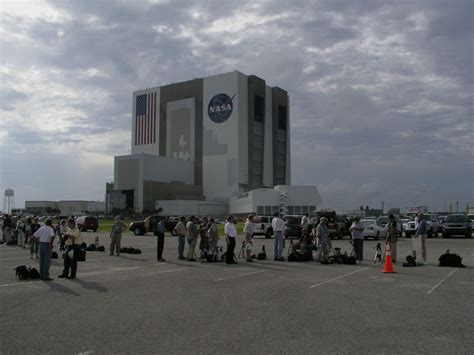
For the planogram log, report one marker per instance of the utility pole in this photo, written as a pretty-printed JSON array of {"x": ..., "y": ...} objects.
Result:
[{"x": 382, "y": 207}]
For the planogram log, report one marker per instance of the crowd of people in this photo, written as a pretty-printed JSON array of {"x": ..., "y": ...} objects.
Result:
[{"x": 314, "y": 236}]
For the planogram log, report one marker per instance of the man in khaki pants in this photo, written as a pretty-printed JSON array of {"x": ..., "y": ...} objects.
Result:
[{"x": 116, "y": 235}]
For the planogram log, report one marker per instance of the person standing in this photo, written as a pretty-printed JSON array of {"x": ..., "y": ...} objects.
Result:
[
  {"x": 191, "y": 236},
  {"x": 357, "y": 230},
  {"x": 214, "y": 237},
  {"x": 417, "y": 240},
  {"x": 63, "y": 229},
  {"x": 72, "y": 240},
  {"x": 393, "y": 231},
  {"x": 180, "y": 231},
  {"x": 160, "y": 242},
  {"x": 7, "y": 228},
  {"x": 231, "y": 234},
  {"x": 304, "y": 225},
  {"x": 33, "y": 241},
  {"x": 21, "y": 227},
  {"x": 204, "y": 241},
  {"x": 322, "y": 235},
  {"x": 278, "y": 229},
  {"x": 45, "y": 237},
  {"x": 116, "y": 236},
  {"x": 27, "y": 231},
  {"x": 248, "y": 231}
]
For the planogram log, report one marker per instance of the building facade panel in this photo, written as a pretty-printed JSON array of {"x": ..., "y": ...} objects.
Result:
[
  {"x": 220, "y": 124},
  {"x": 146, "y": 121}
]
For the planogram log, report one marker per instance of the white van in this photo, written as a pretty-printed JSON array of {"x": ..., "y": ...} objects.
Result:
[{"x": 263, "y": 226}]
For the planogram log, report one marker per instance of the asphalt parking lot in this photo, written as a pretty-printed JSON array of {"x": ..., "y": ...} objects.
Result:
[{"x": 132, "y": 304}]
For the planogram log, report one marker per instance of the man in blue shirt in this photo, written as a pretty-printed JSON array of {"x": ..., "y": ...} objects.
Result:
[
  {"x": 419, "y": 238},
  {"x": 160, "y": 233}
]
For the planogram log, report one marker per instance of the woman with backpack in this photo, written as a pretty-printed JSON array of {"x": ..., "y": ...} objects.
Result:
[{"x": 72, "y": 243}]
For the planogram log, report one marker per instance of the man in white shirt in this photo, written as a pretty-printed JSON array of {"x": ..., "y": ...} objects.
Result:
[
  {"x": 45, "y": 236},
  {"x": 278, "y": 229},
  {"x": 231, "y": 234},
  {"x": 248, "y": 230},
  {"x": 357, "y": 230}
]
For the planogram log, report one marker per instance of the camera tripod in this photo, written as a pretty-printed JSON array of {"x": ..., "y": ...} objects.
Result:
[{"x": 242, "y": 251}]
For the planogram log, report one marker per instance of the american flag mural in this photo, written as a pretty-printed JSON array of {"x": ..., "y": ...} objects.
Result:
[{"x": 145, "y": 119}]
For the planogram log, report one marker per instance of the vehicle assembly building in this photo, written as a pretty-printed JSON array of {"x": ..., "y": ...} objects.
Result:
[{"x": 214, "y": 145}]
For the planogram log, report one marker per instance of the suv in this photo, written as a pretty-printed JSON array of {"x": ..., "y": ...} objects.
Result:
[
  {"x": 457, "y": 224},
  {"x": 432, "y": 228},
  {"x": 337, "y": 224},
  {"x": 293, "y": 227},
  {"x": 263, "y": 226},
  {"x": 85, "y": 223},
  {"x": 142, "y": 228}
]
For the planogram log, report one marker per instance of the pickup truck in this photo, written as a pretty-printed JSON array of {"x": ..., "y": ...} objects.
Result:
[{"x": 142, "y": 228}]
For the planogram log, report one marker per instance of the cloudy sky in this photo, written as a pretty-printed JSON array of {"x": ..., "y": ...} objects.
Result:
[{"x": 381, "y": 91}]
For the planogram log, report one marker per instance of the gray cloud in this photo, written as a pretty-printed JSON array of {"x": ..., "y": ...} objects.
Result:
[{"x": 381, "y": 92}]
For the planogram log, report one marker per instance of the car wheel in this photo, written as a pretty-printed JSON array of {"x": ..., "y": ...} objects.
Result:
[
  {"x": 95, "y": 230},
  {"x": 137, "y": 231},
  {"x": 268, "y": 234},
  {"x": 365, "y": 238},
  {"x": 469, "y": 234},
  {"x": 445, "y": 235},
  {"x": 377, "y": 235}
]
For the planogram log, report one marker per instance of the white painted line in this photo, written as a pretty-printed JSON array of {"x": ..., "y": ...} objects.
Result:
[
  {"x": 439, "y": 283},
  {"x": 339, "y": 277},
  {"x": 19, "y": 257},
  {"x": 20, "y": 283},
  {"x": 241, "y": 275},
  {"x": 164, "y": 271}
]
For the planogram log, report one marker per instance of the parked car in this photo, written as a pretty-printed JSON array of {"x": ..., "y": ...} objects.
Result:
[
  {"x": 457, "y": 224},
  {"x": 372, "y": 229},
  {"x": 263, "y": 226},
  {"x": 85, "y": 223},
  {"x": 471, "y": 218},
  {"x": 337, "y": 224},
  {"x": 142, "y": 228},
  {"x": 293, "y": 226},
  {"x": 432, "y": 226}
]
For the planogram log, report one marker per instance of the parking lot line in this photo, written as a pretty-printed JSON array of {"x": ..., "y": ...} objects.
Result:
[
  {"x": 439, "y": 283},
  {"x": 241, "y": 275},
  {"x": 165, "y": 271},
  {"x": 337, "y": 278}
]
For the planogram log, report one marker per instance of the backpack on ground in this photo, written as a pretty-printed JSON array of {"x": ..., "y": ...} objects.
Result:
[
  {"x": 100, "y": 248},
  {"x": 450, "y": 260},
  {"x": 91, "y": 247},
  {"x": 21, "y": 272},
  {"x": 34, "y": 274},
  {"x": 410, "y": 261}
]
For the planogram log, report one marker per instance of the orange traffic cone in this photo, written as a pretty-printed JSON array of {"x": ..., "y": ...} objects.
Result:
[{"x": 388, "y": 266}]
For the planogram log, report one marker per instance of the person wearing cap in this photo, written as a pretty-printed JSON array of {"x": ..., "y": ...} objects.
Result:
[
  {"x": 322, "y": 235},
  {"x": 393, "y": 230},
  {"x": 357, "y": 231},
  {"x": 159, "y": 231},
  {"x": 116, "y": 236},
  {"x": 278, "y": 226},
  {"x": 33, "y": 241},
  {"x": 45, "y": 237},
  {"x": 72, "y": 241},
  {"x": 180, "y": 231},
  {"x": 248, "y": 230},
  {"x": 231, "y": 234}
]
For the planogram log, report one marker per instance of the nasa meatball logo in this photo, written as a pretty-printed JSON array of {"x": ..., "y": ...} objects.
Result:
[{"x": 220, "y": 108}]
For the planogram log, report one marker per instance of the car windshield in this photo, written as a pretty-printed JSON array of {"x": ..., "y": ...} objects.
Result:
[
  {"x": 367, "y": 223},
  {"x": 382, "y": 221},
  {"x": 292, "y": 220},
  {"x": 456, "y": 219}
]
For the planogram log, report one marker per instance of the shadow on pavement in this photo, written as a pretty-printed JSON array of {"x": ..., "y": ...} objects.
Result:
[
  {"x": 55, "y": 287},
  {"x": 91, "y": 285}
]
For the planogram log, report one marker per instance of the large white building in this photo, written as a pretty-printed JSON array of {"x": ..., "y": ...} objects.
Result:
[{"x": 206, "y": 145}]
